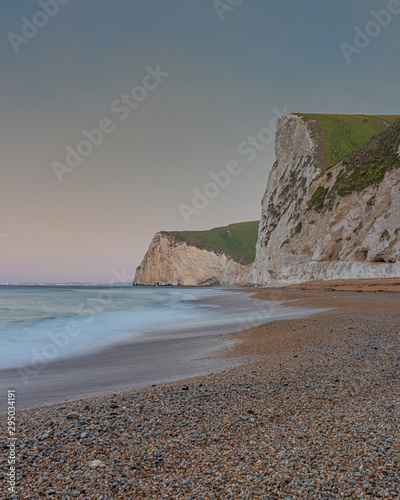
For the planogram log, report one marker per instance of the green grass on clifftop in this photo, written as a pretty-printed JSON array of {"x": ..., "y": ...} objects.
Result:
[
  {"x": 236, "y": 240},
  {"x": 368, "y": 164},
  {"x": 342, "y": 134}
]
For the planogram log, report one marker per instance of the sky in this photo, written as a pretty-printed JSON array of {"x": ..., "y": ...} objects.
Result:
[{"x": 157, "y": 96}]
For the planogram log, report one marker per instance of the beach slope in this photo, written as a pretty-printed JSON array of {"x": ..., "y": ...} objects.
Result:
[{"x": 314, "y": 413}]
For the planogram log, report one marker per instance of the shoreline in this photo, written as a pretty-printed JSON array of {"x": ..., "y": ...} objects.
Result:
[
  {"x": 313, "y": 413},
  {"x": 178, "y": 355},
  {"x": 164, "y": 355}
]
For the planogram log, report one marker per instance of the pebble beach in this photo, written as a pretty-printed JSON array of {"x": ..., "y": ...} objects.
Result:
[{"x": 313, "y": 412}]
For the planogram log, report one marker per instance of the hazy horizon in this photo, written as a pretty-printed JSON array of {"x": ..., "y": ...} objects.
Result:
[{"x": 212, "y": 80}]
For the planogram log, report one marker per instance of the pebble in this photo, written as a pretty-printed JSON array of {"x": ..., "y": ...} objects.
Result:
[
  {"x": 95, "y": 463},
  {"x": 72, "y": 416}
]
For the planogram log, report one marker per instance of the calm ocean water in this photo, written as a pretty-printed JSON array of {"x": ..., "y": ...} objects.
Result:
[
  {"x": 77, "y": 320},
  {"x": 55, "y": 322}
]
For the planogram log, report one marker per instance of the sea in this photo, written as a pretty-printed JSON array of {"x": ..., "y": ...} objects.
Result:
[{"x": 51, "y": 322}]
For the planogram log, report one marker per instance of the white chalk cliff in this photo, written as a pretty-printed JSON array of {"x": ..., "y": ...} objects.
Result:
[
  {"x": 326, "y": 223},
  {"x": 170, "y": 261}
]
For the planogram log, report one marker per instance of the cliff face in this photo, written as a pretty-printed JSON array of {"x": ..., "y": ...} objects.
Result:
[
  {"x": 329, "y": 222},
  {"x": 171, "y": 261}
]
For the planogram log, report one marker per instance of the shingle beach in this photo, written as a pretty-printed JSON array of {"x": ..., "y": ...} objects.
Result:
[{"x": 313, "y": 413}]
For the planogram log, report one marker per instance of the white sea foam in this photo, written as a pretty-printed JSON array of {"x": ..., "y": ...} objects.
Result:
[{"x": 53, "y": 323}]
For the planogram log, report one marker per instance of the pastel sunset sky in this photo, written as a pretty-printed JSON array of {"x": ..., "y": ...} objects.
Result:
[{"x": 225, "y": 73}]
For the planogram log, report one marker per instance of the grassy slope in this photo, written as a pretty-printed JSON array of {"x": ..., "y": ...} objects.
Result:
[
  {"x": 363, "y": 167},
  {"x": 369, "y": 163},
  {"x": 342, "y": 134},
  {"x": 236, "y": 240}
]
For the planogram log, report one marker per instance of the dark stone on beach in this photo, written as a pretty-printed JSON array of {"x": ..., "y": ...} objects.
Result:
[{"x": 72, "y": 416}]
